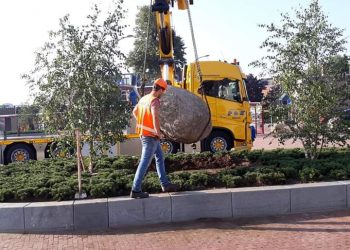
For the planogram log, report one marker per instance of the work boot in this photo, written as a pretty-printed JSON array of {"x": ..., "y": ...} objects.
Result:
[
  {"x": 139, "y": 195},
  {"x": 170, "y": 187}
]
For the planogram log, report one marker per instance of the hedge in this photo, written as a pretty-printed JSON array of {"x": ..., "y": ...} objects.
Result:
[{"x": 56, "y": 179}]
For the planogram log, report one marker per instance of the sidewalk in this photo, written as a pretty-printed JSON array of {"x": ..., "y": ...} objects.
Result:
[
  {"x": 268, "y": 143},
  {"x": 263, "y": 142},
  {"x": 329, "y": 230}
]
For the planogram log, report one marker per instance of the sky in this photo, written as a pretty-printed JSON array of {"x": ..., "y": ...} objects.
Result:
[{"x": 224, "y": 30}]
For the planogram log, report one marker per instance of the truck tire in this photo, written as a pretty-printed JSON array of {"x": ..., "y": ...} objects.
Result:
[
  {"x": 55, "y": 150},
  {"x": 169, "y": 147},
  {"x": 19, "y": 152},
  {"x": 218, "y": 141}
]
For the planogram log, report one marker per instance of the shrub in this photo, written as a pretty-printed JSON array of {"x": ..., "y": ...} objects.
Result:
[
  {"x": 70, "y": 168},
  {"x": 241, "y": 170},
  {"x": 63, "y": 192},
  {"x": 56, "y": 179},
  {"x": 42, "y": 193},
  {"x": 253, "y": 156},
  {"x": 104, "y": 188},
  {"x": 198, "y": 180},
  {"x": 181, "y": 175},
  {"x": 181, "y": 178},
  {"x": 325, "y": 166},
  {"x": 272, "y": 178},
  {"x": 250, "y": 178},
  {"x": 339, "y": 174},
  {"x": 214, "y": 180},
  {"x": 24, "y": 193},
  {"x": 103, "y": 162},
  {"x": 203, "y": 156},
  {"x": 265, "y": 169},
  {"x": 309, "y": 174},
  {"x": 6, "y": 195},
  {"x": 295, "y": 153},
  {"x": 229, "y": 171},
  {"x": 125, "y": 162},
  {"x": 151, "y": 183},
  {"x": 232, "y": 181},
  {"x": 328, "y": 153},
  {"x": 289, "y": 172}
]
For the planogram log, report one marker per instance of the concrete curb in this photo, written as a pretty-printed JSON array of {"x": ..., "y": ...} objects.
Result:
[
  {"x": 49, "y": 216},
  {"x": 101, "y": 214}
]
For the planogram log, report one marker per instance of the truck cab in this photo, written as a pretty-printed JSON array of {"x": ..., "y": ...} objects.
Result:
[{"x": 223, "y": 85}]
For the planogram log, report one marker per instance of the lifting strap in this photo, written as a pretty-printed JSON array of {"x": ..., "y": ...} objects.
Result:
[{"x": 199, "y": 72}]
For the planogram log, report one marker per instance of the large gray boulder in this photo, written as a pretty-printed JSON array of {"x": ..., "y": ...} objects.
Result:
[{"x": 184, "y": 116}]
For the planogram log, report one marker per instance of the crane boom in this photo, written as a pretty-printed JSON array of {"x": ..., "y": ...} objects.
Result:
[{"x": 165, "y": 35}]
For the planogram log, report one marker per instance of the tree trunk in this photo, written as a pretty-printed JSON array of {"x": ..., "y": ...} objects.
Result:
[
  {"x": 77, "y": 136},
  {"x": 307, "y": 149},
  {"x": 92, "y": 155}
]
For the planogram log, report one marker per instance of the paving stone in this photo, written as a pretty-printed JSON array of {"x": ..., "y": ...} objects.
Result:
[{"x": 320, "y": 231}]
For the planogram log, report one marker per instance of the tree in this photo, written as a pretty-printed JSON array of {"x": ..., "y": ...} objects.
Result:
[
  {"x": 255, "y": 88},
  {"x": 338, "y": 66},
  {"x": 301, "y": 56},
  {"x": 74, "y": 77},
  {"x": 135, "y": 58},
  {"x": 272, "y": 96}
]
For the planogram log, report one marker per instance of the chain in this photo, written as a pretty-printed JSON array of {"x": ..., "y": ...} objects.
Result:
[{"x": 199, "y": 72}]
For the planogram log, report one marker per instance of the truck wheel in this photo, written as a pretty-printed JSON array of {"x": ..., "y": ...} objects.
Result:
[
  {"x": 218, "y": 141},
  {"x": 57, "y": 150},
  {"x": 169, "y": 147},
  {"x": 19, "y": 153}
]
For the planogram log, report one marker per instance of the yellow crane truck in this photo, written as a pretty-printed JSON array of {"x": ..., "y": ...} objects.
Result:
[{"x": 221, "y": 83}]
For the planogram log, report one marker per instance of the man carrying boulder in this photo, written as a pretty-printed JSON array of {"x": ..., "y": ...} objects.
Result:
[{"x": 146, "y": 113}]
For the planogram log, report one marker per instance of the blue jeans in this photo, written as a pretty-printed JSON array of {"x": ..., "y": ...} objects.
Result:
[{"x": 150, "y": 146}]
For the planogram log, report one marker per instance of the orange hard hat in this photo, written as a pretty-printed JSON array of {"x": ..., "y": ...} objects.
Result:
[{"x": 161, "y": 83}]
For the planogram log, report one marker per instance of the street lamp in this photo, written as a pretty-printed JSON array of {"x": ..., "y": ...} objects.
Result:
[{"x": 202, "y": 57}]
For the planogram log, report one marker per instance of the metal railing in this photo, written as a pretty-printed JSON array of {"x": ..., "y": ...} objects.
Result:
[{"x": 19, "y": 125}]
